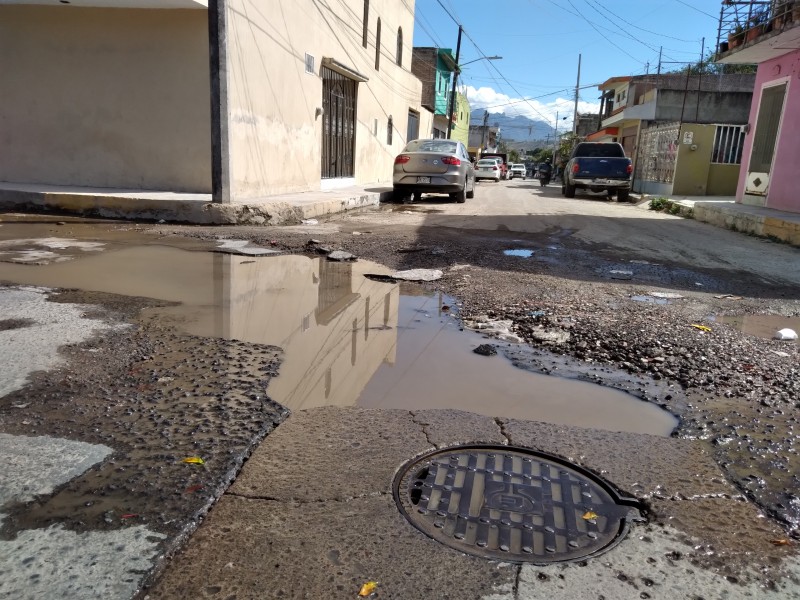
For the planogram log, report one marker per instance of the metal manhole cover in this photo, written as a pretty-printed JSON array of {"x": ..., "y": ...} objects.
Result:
[{"x": 512, "y": 504}]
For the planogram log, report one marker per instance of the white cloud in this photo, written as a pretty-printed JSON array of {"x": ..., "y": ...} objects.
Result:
[{"x": 495, "y": 102}]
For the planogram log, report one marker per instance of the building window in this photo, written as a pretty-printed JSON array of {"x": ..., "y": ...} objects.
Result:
[
  {"x": 389, "y": 130},
  {"x": 399, "y": 46},
  {"x": 309, "y": 64},
  {"x": 378, "y": 46},
  {"x": 728, "y": 145},
  {"x": 365, "y": 26}
]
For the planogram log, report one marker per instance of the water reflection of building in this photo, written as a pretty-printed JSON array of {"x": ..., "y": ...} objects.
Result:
[{"x": 335, "y": 325}]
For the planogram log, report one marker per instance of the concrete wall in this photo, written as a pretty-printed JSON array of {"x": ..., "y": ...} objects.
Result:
[
  {"x": 782, "y": 191},
  {"x": 113, "y": 98},
  {"x": 275, "y": 137},
  {"x": 715, "y": 107},
  {"x": 695, "y": 143},
  {"x": 461, "y": 130}
]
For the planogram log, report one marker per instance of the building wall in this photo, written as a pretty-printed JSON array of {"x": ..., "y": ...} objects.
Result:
[
  {"x": 275, "y": 133},
  {"x": 714, "y": 107},
  {"x": 461, "y": 130},
  {"x": 113, "y": 98},
  {"x": 782, "y": 194}
]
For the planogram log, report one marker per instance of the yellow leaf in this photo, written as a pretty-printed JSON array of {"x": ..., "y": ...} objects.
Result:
[
  {"x": 194, "y": 460},
  {"x": 701, "y": 327},
  {"x": 368, "y": 589},
  {"x": 589, "y": 515}
]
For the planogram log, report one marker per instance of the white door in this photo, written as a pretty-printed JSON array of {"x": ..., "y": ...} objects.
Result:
[{"x": 765, "y": 139}]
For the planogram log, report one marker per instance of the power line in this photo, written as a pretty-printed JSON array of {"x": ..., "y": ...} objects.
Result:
[
  {"x": 715, "y": 17},
  {"x": 608, "y": 10}
]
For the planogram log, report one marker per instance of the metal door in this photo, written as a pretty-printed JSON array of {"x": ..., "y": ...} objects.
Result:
[
  {"x": 765, "y": 136},
  {"x": 338, "y": 124}
]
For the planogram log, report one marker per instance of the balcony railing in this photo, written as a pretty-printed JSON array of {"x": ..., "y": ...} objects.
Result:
[{"x": 744, "y": 21}]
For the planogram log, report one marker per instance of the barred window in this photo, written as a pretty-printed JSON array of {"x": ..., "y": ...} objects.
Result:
[{"x": 728, "y": 145}]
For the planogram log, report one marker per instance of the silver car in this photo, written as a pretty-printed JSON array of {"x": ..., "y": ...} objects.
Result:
[{"x": 434, "y": 166}]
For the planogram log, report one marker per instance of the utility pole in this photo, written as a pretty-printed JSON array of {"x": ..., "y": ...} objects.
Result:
[
  {"x": 555, "y": 144},
  {"x": 575, "y": 112},
  {"x": 660, "y": 50},
  {"x": 485, "y": 129},
  {"x": 451, "y": 111},
  {"x": 700, "y": 68}
]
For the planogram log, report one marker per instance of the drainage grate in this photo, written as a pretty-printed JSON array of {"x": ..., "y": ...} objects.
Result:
[{"x": 512, "y": 504}]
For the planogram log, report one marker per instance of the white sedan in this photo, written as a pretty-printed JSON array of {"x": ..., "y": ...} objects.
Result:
[{"x": 488, "y": 168}]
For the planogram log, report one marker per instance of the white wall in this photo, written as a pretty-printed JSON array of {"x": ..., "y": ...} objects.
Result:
[{"x": 97, "y": 97}]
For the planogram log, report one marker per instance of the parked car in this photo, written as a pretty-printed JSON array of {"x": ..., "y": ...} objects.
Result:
[
  {"x": 599, "y": 167},
  {"x": 434, "y": 166},
  {"x": 519, "y": 170},
  {"x": 488, "y": 168},
  {"x": 503, "y": 162}
]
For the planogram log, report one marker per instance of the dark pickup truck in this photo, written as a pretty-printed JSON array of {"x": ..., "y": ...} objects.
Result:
[{"x": 599, "y": 167}]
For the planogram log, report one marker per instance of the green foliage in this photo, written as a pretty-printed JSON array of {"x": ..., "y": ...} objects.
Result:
[
  {"x": 659, "y": 203},
  {"x": 513, "y": 156},
  {"x": 707, "y": 66}
]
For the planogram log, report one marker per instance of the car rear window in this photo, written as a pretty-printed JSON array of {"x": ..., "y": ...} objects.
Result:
[
  {"x": 444, "y": 146},
  {"x": 487, "y": 162},
  {"x": 600, "y": 150}
]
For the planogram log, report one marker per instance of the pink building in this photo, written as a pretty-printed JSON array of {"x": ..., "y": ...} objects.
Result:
[{"x": 768, "y": 34}]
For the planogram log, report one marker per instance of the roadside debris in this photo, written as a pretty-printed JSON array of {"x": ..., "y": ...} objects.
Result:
[
  {"x": 701, "y": 327},
  {"x": 785, "y": 334},
  {"x": 194, "y": 460},
  {"x": 781, "y": 354},
  {"x": 500, "y": 329},
  {"x": 341, "y": 256},
  {"x": 368, "y": 589},
  {"x": 310, "y": 222},
  {"x": 727, "y": 297},
  {"x": 486, "y": 350},
  {"x": 618, "y": 274},
  {"x": 418, "y": 275},
  {"x": 667, "y": 295}
]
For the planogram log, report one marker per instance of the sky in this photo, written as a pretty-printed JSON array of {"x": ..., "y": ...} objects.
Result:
[{"x": 540, "y": 41}]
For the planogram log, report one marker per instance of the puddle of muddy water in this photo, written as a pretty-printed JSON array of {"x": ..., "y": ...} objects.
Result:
[
  {"x": 347, "y": 339},
  {"x": 763, "y": 326},
  {"x": 521, "y": 253}
]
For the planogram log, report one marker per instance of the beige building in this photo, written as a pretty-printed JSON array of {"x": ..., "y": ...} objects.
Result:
[{"x": 239, "y": 99}]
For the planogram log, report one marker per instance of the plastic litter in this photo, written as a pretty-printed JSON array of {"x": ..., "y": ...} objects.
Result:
[{"x": 785, "y": 334}]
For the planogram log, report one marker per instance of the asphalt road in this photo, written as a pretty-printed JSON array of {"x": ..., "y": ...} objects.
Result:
[{"x": 114, "y": 412}]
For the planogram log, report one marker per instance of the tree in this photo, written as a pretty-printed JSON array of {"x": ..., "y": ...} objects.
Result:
[
  {"x": 513, "y": 156},
  {"x": 567, "y": 142},
  {"x": 707, "y": 66}
]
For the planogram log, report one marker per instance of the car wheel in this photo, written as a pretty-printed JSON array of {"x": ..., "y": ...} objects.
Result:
[
  {"x": 460, "y": 196},
  {"x": 400, "y": 197},
  {"x": 471, "y": 192},
  {"x": 569, "y": 190},
  {"x": 622, "y": 195},
  {"x": 417, "y": 196}
]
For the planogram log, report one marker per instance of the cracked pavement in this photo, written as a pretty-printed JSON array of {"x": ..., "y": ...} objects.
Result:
[{"x": 312, "y": 515}]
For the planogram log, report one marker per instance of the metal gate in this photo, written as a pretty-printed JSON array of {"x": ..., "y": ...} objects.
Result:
[
  {"x": 338, "y": 124},
  {"x": 765, "y": 138},
  {"x": 658, "y": 152}
]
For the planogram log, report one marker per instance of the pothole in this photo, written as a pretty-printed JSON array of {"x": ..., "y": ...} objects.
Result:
[
  {"x": 512, "y": 504},
  {"x": 763, "y": 326}
]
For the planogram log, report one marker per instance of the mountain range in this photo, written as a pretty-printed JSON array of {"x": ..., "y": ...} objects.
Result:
[{"x": 516, "y": 128}]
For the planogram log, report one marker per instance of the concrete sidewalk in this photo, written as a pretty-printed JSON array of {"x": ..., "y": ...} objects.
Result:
[
  {"x": 284, "y": 209},
  {"x": 725, "y": 212}
]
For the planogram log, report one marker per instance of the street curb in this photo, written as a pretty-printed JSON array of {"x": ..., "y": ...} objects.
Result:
[{"x": 276, "y": 210}]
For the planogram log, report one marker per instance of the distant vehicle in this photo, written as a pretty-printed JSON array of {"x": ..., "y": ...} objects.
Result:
[
  {"x": 545, "y": 173},
  {"x": 434, "y": 166},
  {"x": 503, "y": 162},
  {"x": 519, "y": 170},
  {"x": 599, "y": 167},
  {"x": 488, "y": 168}
]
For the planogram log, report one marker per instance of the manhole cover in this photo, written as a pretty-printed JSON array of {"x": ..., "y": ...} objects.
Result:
[{"x": 512, "y": 504}]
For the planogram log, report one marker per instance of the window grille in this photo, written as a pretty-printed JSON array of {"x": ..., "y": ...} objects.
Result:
[{"x": 728, "y": 144}]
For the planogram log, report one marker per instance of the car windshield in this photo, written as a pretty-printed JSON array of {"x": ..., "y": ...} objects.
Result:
[{"x": 443, "y": 146}]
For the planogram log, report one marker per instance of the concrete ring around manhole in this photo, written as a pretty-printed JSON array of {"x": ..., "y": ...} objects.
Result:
[{"x": 512, "y": 504}]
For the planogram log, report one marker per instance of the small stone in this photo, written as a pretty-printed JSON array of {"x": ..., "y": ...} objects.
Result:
[{"x": 486, "y": 350}]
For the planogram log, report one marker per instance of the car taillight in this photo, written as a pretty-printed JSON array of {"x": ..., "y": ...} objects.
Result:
[
  {"x": 402, "y": 159},
  {"x": 629, "y": 170},
  {"x": 575, "y": 167},
  {"x": 451, "y": 160}
]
